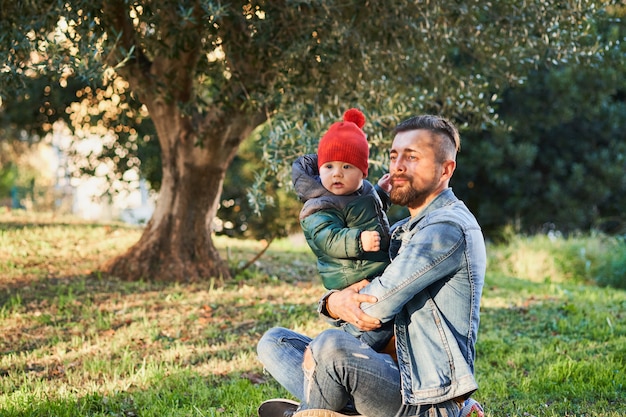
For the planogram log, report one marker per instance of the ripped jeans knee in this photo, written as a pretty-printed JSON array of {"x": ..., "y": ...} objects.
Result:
[{"x": 308, "y": 368}]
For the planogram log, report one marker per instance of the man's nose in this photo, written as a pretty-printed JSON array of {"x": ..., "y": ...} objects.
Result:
[{"x": 396, "y": 166}]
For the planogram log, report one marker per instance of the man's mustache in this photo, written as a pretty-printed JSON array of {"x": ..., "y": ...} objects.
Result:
[{"x": 400, "y": 177}]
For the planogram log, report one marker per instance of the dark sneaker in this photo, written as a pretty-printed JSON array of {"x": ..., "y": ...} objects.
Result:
[
  {"x": 278, "y": 407},
  {"x": 471, "y": 408}
]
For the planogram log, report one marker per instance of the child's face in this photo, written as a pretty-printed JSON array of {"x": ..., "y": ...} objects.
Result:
[{"x": 341, "y": 178}]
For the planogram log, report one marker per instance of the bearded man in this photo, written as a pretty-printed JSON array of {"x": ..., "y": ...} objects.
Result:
[{"x": 431, "y": 290}]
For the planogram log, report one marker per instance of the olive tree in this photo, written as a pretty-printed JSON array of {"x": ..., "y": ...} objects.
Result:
[{"x": 208, "y": 73}]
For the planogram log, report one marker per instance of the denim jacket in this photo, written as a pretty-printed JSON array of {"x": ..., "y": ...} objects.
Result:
[{"x": 433, "y": 288}]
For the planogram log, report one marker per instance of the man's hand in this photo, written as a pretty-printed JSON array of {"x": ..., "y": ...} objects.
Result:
[
  {"x": 370, "y": 240},
  {"x": 346, "y": 305}
]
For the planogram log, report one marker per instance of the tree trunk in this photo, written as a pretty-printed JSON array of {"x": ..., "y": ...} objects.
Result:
[
  {"x": 176, "y": 244},
  {"x": 197, "y": 145}
]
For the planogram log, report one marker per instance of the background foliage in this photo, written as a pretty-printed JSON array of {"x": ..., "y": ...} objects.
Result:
[
  {"x": 557, "y": 162},
  {"x": 537, "y": 89}
]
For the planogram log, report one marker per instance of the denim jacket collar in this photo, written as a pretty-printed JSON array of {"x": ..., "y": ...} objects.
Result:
[{"x": 444, "y": 198}]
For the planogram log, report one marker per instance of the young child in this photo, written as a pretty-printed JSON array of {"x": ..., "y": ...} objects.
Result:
[{"x": 343, "y": 217}]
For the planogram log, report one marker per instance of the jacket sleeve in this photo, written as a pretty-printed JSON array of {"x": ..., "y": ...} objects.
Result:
[
  {"x": 428, "y": 257},
  {"x": 328, "y": 232}
]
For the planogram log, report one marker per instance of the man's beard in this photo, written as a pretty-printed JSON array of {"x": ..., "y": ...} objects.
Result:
[
  {"x": 409, "y": 196},
  {"x": 404, "y": 196}
]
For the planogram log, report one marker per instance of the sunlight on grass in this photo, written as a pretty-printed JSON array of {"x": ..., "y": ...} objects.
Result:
[
  {"x": 551, "y": 343},
  {"x": 546, "y": 259}
]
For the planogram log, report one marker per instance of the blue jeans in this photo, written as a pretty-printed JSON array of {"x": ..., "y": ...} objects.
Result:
[
  {"x": 376, "y": 339},
  {"x": 346, "y": 371}
]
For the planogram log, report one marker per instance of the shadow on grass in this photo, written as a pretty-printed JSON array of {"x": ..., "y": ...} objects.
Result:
[{"x": 57, "y": 330}]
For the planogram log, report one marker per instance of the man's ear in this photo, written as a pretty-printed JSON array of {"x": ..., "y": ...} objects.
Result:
[{"x": 448, "y": 169}]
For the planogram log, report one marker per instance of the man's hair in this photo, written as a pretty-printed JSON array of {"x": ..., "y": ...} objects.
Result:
[{"x": 440, "y": 126}]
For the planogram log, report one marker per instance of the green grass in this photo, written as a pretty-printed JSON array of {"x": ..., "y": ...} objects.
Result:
[{"x": 552, "y": 340}]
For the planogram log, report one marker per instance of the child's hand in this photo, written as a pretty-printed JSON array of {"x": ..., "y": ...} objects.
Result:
[
  {"x": 370, "y": 241},
  {"x": 385, "y": 182}
]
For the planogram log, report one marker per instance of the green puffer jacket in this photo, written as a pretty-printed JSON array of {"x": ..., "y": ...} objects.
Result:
[{"x": 332, "y": 226}]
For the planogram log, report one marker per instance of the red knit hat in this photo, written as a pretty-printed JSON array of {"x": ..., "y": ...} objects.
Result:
[{"x": 346, "y": 142}]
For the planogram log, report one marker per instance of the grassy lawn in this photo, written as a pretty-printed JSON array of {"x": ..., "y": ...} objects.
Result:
[{"x": 75, "y": 343}]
